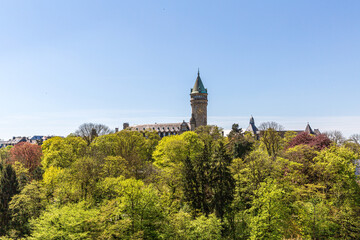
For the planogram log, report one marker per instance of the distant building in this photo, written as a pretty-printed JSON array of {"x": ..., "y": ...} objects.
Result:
[
  {"x": 163, "y": 129},
  {"x": 16, "y": 140},
  {"x": 256, "y": 132},
  {"x": 199, "y": 102},
  {"x": 13, "y": 141},
  {"x": 252, "y": 128}
]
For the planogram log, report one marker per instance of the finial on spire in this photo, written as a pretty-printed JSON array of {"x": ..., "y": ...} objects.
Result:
[{"x": 198, "y": 72}]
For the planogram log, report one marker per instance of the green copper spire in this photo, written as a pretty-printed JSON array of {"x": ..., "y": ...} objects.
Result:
[{"x": 198, "y": 86}]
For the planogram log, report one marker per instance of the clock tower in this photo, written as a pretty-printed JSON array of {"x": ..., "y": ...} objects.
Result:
[{"x": 199, "y": 104}]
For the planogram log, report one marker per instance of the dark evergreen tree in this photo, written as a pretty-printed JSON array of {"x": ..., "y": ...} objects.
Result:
[
  {"x": 197, "y": 189},
  {"x": 203, "y": 170},
  {"x": 191, "y": 185},
  {"x": 8, "y": 188},
  {"x": 223, "y": 183}
]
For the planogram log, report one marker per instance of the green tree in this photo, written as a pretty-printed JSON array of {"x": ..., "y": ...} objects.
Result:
[
  {"x": 269, "y": 212},
  {"x": 132, "y": 146},
  {"x": 72, "y": 221},
  {"x": 85, "y": 173},
  {"x": 239, "y": 144},
  {"x": 8, "y": 188},
  {"x": 182, "y": 226},
  {"x": 169, "y": 157},
  {"x": 272, "y": 141},
  {"x": 62, "y": 152},
  {"x": 223, "y": 183},
  {"x": 26, "y": 205},
  {"x": 134, "y": 201},
  {"x": 336, "y": 170},
  {"x": 197, "y": 182},
  {"x": 5, "y": 154}
]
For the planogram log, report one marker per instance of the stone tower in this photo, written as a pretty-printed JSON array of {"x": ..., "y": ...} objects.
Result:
[{"x": 199, "y": 104}]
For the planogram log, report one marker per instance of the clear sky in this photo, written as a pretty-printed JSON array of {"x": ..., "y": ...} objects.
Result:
[{"x": 64, "y": 63}]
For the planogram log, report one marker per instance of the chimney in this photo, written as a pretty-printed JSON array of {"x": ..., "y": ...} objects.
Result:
[{"x": 126, "y": 125}]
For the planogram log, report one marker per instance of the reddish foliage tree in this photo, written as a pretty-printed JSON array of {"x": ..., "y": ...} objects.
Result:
[
  {"x": 302, "y": 138},
  {"x": 319, "y": 142},
  {"x": 28, "y": 154}
]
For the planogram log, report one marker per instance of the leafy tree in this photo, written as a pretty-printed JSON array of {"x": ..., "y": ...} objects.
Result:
[
  {"x": 26, "y": 205},
  {"x": 183, "y": 227},
  {"x": 288, "y": 137},
  {"x": 85, "y": 173},
  {"x": 114, "y": 166},
  {"x": 131, "y": 146},
  {"x": 8, "y": 188},
  {"x": 136, "y": 202},
  {"x": 170, "y": 156},
  {"x": 318, "y": 142},
  {"x": 22, "y": 174},
  {"x": 111, "y": 223},
  {"x": 355, "y": 147},
  {"x": 52, "y": 180},
  {"x": 336, "y": 170},
  {"x": 205, "y": 228},
  {"x": 173, "y": 150},
  {"x": 304, "y": 155},
  {"x": 302, "y": 138},
  {"x": 72, "y": 221},
  {"x": 209, "y": 134},
  {"x": 5, "y": 154},
  {"x": 269, "y": 212},
  {"x": 239, "y": 144},
  {"x": 152, "y": 139},
  {"x": 272, "y": 142},
  {"x": 62, "y": 152},
  {"x": 29, "y": 155}
]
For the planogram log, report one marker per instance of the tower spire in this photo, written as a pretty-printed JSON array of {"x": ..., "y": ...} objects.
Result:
[
  {"x": 199, "y": 104},
  {"x": 198, "y": 86}
]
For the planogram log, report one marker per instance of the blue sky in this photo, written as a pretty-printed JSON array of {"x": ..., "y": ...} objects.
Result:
[{"x": 64, "y": 63}]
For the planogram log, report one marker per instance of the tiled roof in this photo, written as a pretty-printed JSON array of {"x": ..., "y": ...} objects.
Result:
[{"x": 160, "y": 127}]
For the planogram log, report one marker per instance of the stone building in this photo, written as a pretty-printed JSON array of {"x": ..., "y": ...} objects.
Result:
[
  {"x": 199, "y": 104},
  {"x": 258, "y": 133},
  {"x": 198, "y": 101}
]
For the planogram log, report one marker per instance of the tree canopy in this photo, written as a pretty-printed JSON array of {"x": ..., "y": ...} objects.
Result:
[{"x": 197, "y": 185}]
